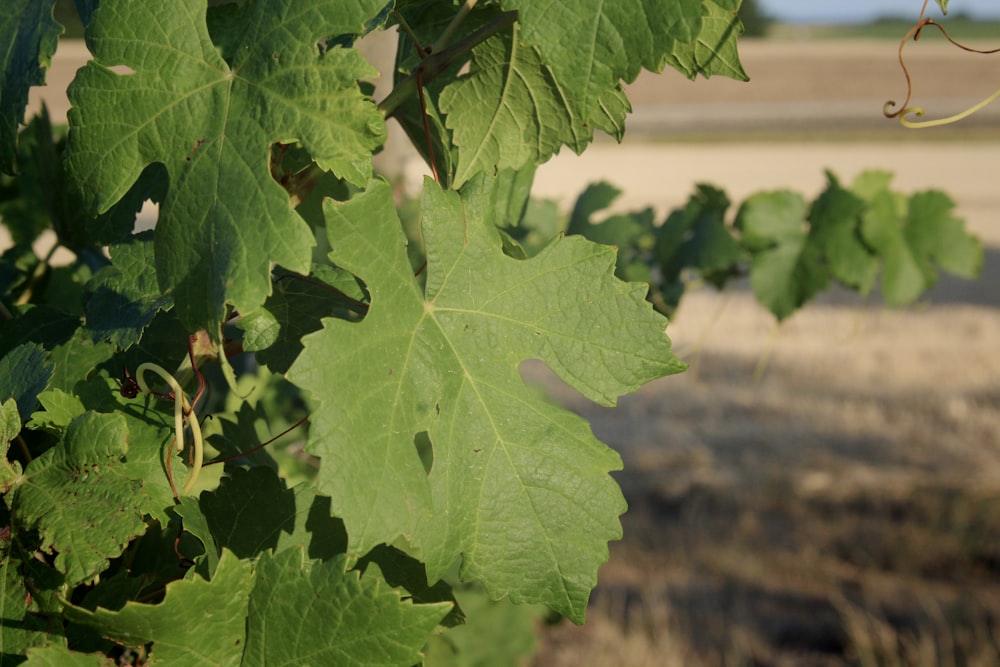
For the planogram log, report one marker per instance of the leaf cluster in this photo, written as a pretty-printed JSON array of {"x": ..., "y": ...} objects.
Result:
[{"x": 861, "y": 237}]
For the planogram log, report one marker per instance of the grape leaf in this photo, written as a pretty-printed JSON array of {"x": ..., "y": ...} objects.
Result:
[
  {"x": 615, "y": 40},
  {"x": 10, "y": 421},
  {"x": 76, "y": 359},
  {"x": 198, "y": 622},
  {"x": 26, "y": 372},
  {"x": 936, "y": 235},
  {"x": 60, "y": 656},
  {"x": 508, "y": 112},
  {"x": 60, "y": 409},
  {"x": 10, "y": 427},
  {"x": 301, "y": 607},
  {"x": 518, "y": 487},
  {"x": 696, "y": 237},
  {"x": 282, "y": 518},
  {"x": 786, "y": 268},
  {"x": 31, "y": 36},
  {"x": 835, "y": 219},
  {"x": 149, "y": 424},
  {"x": 402, "y": 571},
  {"x": 297, "y": 304},
  {"x": 943, "y": 4},
  {"x": 212, "y": 123},
  {"x": 41, "y": 325},
  {"x": 79, "y": 498},
  {"x": 126, "y": 295},
  {"x": 910, "y": 235},
  {"x": 45, "y": 200},
  {"x": 714, "y": 51},
  {"x": 497, "y": 633},
  {"x": 19, "y": 628}
]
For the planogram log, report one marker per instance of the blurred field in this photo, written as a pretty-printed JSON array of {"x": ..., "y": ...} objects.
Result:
[{"x": 843, "y": 508}]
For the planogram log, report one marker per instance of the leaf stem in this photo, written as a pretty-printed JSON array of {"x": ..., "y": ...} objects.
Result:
[
  {"x": 262, "y": 445},
  {"x": 439, "y": 61},
  {"x": 446, "y": 36},
  {"x": 24, "y": 448}
]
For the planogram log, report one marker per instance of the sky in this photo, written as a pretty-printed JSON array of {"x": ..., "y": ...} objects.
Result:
[{"x": 863, "y": 10}]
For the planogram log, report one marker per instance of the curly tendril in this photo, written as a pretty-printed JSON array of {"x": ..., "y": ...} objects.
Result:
[
  {"x": 182, "y": 410},
  {"x": 905, "y": 111}
]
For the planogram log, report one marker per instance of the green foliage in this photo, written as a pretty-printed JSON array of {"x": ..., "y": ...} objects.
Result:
[
  {"x": 416, "y": 479},
  {"x": 790, "y": 249}
]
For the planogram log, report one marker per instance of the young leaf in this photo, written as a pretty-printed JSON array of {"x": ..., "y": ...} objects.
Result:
[
  {"x": 615, "y": 39},
  {"x": 212, "y": 123},
  {"x": 696, "y": 237},
  {"x": 517, "y": 487},
  {"x": 787, "y": 269},
  {"x": 60, "y": 409},
  {"x": 835, "y": 219},
  {"x": 910, "y": 235},
  {"x": 199, "y": 622},
  {"x": 78, "y": 497},
  {"x": 10, "y": 427},
  {"x": 29, "y": 35},
  {"x": 301, "y": 607},
  {"x": 508, "y": 112}
]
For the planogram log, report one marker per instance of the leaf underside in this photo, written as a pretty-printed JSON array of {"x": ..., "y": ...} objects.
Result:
[{"x": 517, "y": 487}]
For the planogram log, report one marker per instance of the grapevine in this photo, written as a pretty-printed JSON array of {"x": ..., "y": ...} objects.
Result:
[{"x": 386, "y": 334}]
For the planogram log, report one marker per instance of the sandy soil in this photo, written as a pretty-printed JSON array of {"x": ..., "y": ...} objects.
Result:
[{"x": 760, "y": 499}]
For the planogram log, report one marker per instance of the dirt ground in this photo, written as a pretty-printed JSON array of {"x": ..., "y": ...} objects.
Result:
[{"x": 826, "y": 492}]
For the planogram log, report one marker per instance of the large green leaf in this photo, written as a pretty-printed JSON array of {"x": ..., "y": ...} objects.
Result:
[
  {"x": 30, "y": 35},
  {"x": 80, "y": 497},
  {"x": 301, "y": 607},
  {"x": 212, "y": 122},
  {"x": 427, "y": 430},
  {"x": 199, "y": 622}
]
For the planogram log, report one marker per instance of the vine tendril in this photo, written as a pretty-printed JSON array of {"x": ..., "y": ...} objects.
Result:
[
  {"x": 182, "y": 410},
  {"x": 905, "y": 109}
]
